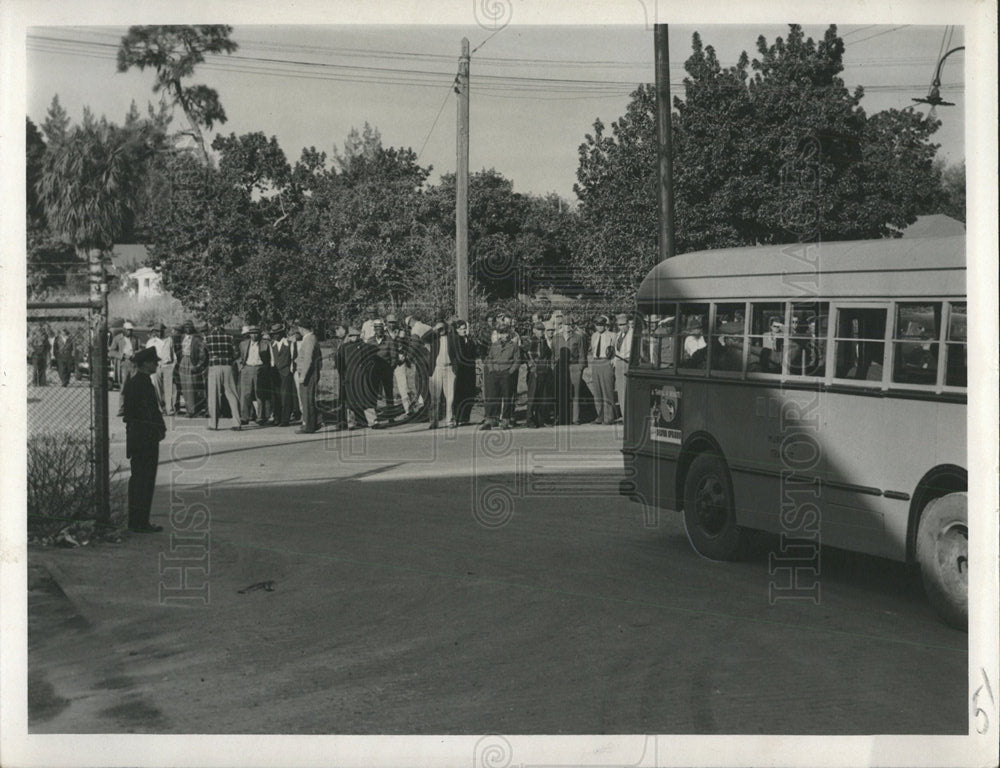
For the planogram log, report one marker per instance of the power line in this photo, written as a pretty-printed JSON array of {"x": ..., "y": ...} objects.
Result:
[
  {"x": 878, "y": 34},
  {"x": 437, "y": 116},
  {"x": 294, "y": 68}
]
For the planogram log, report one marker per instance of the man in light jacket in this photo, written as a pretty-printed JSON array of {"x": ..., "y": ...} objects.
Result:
[{"x": 308, "y": 364}]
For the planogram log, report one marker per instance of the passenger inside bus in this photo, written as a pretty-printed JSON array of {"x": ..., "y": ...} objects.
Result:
[
  {"x": 771, "y": 347},
  {"x": 860, "y": 345},
  {"x": 695, "y": 352}
]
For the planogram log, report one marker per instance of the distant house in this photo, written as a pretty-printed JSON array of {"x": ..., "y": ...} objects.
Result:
[
  {"x": 147, "y": 282},
  {"x": 128, "y": 264}
]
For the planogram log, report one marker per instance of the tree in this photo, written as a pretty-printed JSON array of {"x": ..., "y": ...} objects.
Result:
[
  {"x": 767, "y": 151},
  {"x": 516, "y": 241},
  {"x": 173, "y": 52},
  {"x": 951, "y": 190},
  {"x": 90, "y": 177}
]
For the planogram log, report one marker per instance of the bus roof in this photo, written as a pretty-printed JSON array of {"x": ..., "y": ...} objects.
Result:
[{"x": 858, "y": 269}]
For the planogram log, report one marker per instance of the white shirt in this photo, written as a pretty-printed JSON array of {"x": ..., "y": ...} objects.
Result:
[
  {"x": 600, "y": 343},
  {"x": 443, "y": 358},
  {"x": 253, "y": 353},
  {"x": 367, "y": 330},
  {"x": 623, "y": 346},
  {"x": 692, "y": 344},
  {"x": 164, "y": 349}
]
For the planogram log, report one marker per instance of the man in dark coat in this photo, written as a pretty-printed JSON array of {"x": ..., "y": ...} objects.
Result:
[
  {"x": 254, "y": 365},
  {"x": 541, "y": 384},
  {"x": 382, "y": 363},
  {"x": 64, "y": 352},
  {"x": 282, "y": 379},
  {"x": 464, "y": 364},
  {"x": 354, "y": 364},
  {"x": 38, "y": 351},
  {"x": 503, "y": 359},
  {"x": 144, "y": 429}
]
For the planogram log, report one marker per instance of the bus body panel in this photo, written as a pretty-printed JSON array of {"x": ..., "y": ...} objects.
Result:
[{"x": 802, "y": 462}]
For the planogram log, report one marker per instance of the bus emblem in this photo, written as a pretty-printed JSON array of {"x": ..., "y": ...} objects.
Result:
[{"x": 664, "y": 414}]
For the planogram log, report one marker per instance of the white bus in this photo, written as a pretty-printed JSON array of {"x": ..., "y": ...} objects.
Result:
[{"x": 813, "y": 390}]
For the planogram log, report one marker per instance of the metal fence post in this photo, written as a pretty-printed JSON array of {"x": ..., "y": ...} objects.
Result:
[{"x": 99, "y": 388}]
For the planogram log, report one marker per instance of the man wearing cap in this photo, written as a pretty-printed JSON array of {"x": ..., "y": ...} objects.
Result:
[
  {"x": 163, "y": 378},
  {"x": 443, "y": 356},
  {"x": 254, "y": 362},
  {"x": 695, "y": 349},
  {"x": 501, "y": 361},
  {"x": 353, "y": 363},
  {"x": 191, "y": 368},
  {"x": 623, "y": 348},
  {"x": 602, "y": 377},
  {"x": 64, "y": 353},
  {"x": 123, "y": 347},
  {"x": 400, "y": 360},
  {"x": 281, "y": 380},
  {"x": 464, "y": 365},
  {"x": 308, "y": 364},
  {"x": 540, "y": 378},
  {"x": 569, "y": 350},
  {"x": 382, "y": 363},
  {"x": 420, "y": 336},
  {"x": 221, "y": 382},
  {"x": 144, "y": 429}
]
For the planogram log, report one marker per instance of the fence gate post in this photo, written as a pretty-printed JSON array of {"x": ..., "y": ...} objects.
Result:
[{"x": 99, "y": 386}]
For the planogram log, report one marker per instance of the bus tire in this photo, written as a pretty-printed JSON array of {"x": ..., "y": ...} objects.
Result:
[
  {"x": 943, "y": 555},
  {"x": 709, "y": 510}
]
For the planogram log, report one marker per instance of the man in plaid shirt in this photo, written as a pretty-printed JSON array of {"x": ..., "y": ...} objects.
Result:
[{"x": 222, "y": 353}]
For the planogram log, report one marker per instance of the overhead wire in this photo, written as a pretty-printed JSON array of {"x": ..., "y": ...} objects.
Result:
[{"x": 487, "y": 84}]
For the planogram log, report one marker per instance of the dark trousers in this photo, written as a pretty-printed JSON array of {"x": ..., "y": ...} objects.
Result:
[
  {"x": 307, "y": 401},
  {"x": 65, "y": 368},
  {"x": 498, "y": 396},
  {"x": 540, "y": 395},
  {"x": 465, "y": 393},
  {"x": 382, "y": 382},
  {"x": 253, "y": 388},
  {"x": 38, "y": 371},
  {"x": 282, "y": 385},
  {"x": 141, "y": 484}
]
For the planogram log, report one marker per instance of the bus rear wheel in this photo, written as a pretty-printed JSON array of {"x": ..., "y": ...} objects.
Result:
[
  {"x": 943, "y": 555},
  {"x": 709, "y": 511}
]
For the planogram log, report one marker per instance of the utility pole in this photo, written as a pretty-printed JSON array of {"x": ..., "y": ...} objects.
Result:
[
  {"x": 664, "y": 151},
  {"x": 99, "y": 382},
  {"x": 462, "y": 188}
]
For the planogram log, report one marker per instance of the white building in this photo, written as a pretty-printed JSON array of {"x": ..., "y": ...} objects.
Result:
[{"x": 147, "y": 282}]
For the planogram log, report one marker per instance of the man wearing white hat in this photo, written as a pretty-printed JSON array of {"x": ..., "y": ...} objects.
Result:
[
  {"x": 623, "y": 348},
  {"x": 122, "y": 350},
  {"x": 602, "y": 351},
  {"x": 254, "y": 362}
]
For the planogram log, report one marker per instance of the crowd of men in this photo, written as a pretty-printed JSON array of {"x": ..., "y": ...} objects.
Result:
[
  {"x": 415, "y": 370},
  {"x": 51, "y": 349}
]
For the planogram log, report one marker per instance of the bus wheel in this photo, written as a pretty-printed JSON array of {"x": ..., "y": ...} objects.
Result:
[
  {"x": 709, "y": 512},
  {"x": 943, "y": 554}
]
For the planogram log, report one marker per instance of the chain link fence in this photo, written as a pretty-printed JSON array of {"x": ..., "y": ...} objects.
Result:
[{"x": 61, "y": 482}]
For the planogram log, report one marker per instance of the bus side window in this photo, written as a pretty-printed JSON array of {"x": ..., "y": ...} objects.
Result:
[
  {"x": 692, "y": 322},
  {"x": 915, "y": 337},
  {"x": 805, "y": 354},
  {"x": 767, "y": 332},
  {"x": 859, "y": 345},
  {"x": 956, "y": 370},
  {"x": 657, "y": 350},
  {"x": 728, "y": 337}
]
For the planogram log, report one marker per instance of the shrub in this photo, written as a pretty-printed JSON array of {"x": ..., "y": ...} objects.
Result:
[{"x": 61, "y": 487}]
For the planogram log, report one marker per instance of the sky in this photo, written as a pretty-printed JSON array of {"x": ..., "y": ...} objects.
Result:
[{"x": 536, "y": 90}]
